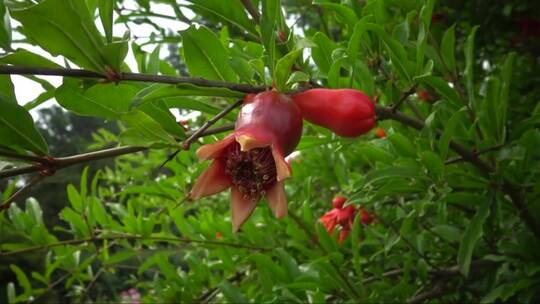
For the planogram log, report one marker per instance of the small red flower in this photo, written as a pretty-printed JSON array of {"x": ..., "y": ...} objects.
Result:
[
  {"x": 424, "y": 96},
  {"x": 219, "y": 235},
  {"x": 339, "y": 215},
  {"x": 366, "y": 218},
  {"x": 380, "y": 133},
  {"x": 251, "y": 160},
  {"x": 438, "y": 17}
]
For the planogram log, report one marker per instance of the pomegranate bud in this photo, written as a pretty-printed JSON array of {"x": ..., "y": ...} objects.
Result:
[
  {"x": 347, "y": 112},
  {"x": 338, "y": 201}
]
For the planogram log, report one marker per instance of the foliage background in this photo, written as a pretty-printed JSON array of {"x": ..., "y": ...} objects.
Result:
[{"x": 453, "y": 185}]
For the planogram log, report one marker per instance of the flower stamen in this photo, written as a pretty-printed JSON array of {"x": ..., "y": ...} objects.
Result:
[{"x": 252, "y": 172}]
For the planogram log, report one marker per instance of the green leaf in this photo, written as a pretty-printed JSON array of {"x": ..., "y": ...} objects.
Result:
[
  {"x": 423, "y": 33},
  {"x": 231, "y": 293},
  {"x": 346, "y": 15},
  {"x": 355, "y": 246},
  {"x": 152, "y": 64},
  {"x": 397, "y": 52},
  {"x": 144, "y": 131},
  {"x": 448, "y": 45},
  {"x": 490, "y": 116},
  {"x": 271, "y": 23},
  {"x": 74, "y": 198},
  {"x": 309, "y": 142},
  {"x": 22, "y": 57},
  {"x": 108, "y": 101},
  {"x": 322, "y": 52},
  {"x": 17, "y": 129},
  {"x": 7, "y": 91},
  {"x": 5, "y": 27},
  {"x": 283, "y": 69},
  {"x": 159, "y": 111},
  {"x": 205, "y": 56},
  {"x": 186, "y": 103},
  {"x": 11, "y": 294},
  {"x": 402, "y": 145},
  {"x": 325, "y": 239},
  {"x": 106, "y": 8},
  {"x": 433, "y": 163},
  {"x": 472, "y": 234},
  {"x": 243, "y": 69},
  {"x": 22, "y": 279},
  {"x": 469, "y": 67},
  {"x": 506, "y": 79},
  {"x": 231, "y": 11},
  {"x": 65, "y": 28},
  {"x": 160, "y": 91},
  {"x": 449, "y": 233},
  {"x": 449, "y": 130},
  {"x": 442, "y": 87}
]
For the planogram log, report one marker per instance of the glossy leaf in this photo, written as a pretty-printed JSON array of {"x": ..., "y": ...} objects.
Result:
[
  {"x": 271, "y": 22},
  {"x": 448, "y": 45},
  {"x": 144, "y": 131},
  {"x": 108, "y": 101},
  {"x": 5, "y": 27},
  {"x": 72, "y": 34},
  {"x": 322, "y": 53},
  {"x": 106, "y": 9},
  {"x": 17, "y": 129},
  {"x": 470, "y": 60},
  {"x": 205, "y": 55},
  {"x": 472, "y": 234},
  {"x": 283, "y": 69}
]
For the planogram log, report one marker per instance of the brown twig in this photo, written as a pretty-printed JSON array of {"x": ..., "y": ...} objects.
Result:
[
  {"x": 252, "y": 10},
  {"x": 211, "y": 122},
  {"x": 202, "y": 129},
  {"x": 211, "y": 293},
  {"x": 21, "y": 70},
  {"x": 131, "y": 237},
  {"x": 26, "y": 158},
  {"x": 63, "y": 162},
  {"x": 409, "y": 243},
  {"x": 404, "y": 97},
  {"x": 36, "y": 179},
  {"x": 483, "y": 151}
]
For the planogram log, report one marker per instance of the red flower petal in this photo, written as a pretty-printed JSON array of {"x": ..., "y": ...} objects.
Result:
[
  {"x": 283, "y": 169},
  {"x": 241, "y": 208},
  {"x": 211, "y": 151},
  {"x": 213, "y": 180},
  {"x": 277, "y": 199}
]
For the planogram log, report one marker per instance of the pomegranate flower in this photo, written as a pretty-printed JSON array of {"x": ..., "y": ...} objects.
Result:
[
  {"x": 251, "y": 160},
  {"x": 344, "y": 218},
  {"x": 339, "y": 216}
]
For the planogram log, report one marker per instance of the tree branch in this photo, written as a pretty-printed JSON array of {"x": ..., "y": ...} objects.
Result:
[
  {"x": 130, "y": 237},
  {"x": 36, "y": 179},
  {"x": 483, "y": 151},
  {"x": 403, "y": 98},
  {"x": 21, "y": 70},
  {"x": 513, "y": 191},
  {"x": 59, "y": 163},
  {"x": 202, "y": 129}
]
